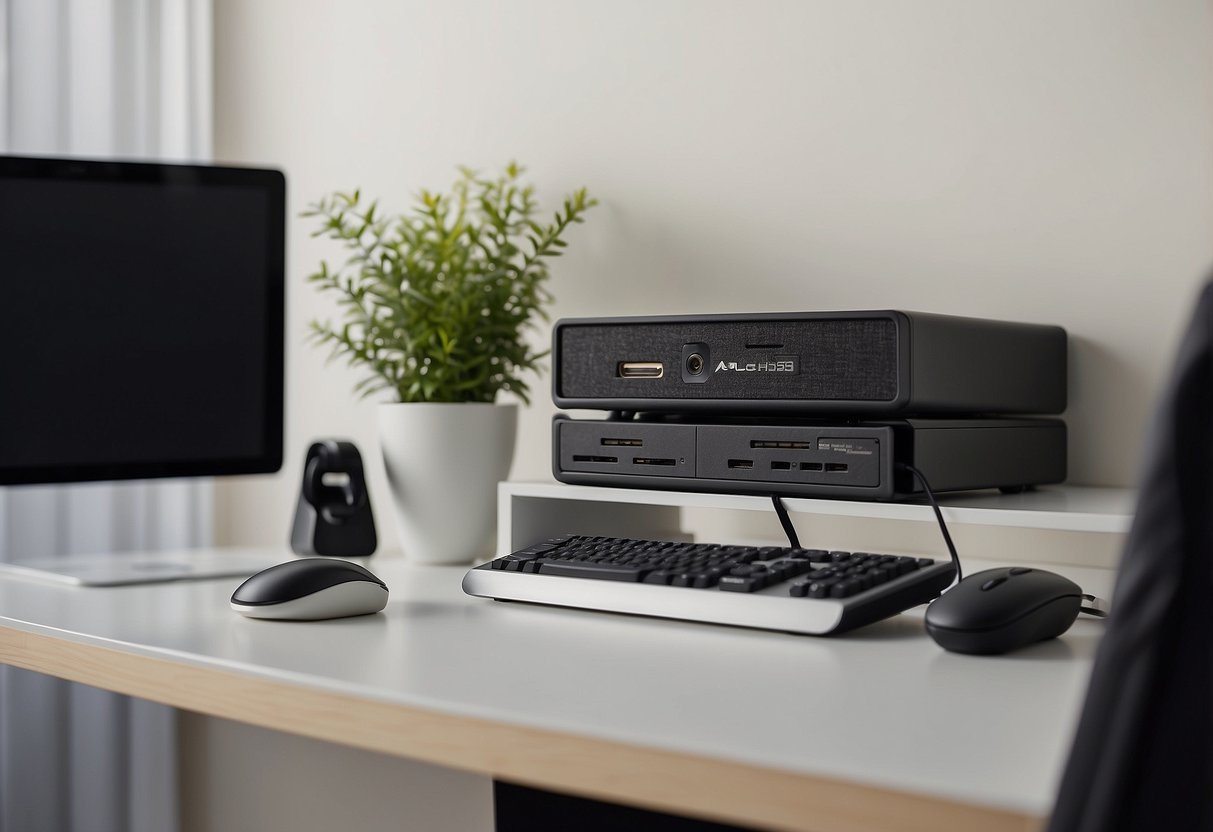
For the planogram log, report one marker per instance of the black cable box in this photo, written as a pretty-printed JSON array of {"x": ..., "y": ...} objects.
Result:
[
  {"x": 872, "y": 363},
  {"x": 853, "y": 460}
]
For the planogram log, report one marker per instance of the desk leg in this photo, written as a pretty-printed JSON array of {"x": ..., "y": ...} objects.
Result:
[{"x": 523, "y": 809}]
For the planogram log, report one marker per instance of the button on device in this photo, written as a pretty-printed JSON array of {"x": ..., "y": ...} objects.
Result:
[
  {"x": 1020, "y": 570},
  {"x": 993, "y": 582}
]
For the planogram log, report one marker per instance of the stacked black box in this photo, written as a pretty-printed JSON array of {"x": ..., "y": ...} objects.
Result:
[{"x": 830, "y": 404}]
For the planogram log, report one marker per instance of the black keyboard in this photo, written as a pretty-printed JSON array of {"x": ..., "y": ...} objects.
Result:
[{"x": 809, "y": 591}]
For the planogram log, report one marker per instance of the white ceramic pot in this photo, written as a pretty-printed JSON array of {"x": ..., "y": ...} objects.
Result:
[{"x": 443, "y": 464}]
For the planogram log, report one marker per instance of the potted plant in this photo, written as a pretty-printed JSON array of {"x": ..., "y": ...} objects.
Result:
[{"x": 437, "y": 303}]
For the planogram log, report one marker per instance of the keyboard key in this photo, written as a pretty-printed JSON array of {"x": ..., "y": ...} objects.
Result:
[
  {"x": 599, "y": 571},
  {"x": 535, "y": 551},
  {"x": 845, "y": 589},
  {"x": 821, "y": 589},
  {"x": 737, "y": 583}
]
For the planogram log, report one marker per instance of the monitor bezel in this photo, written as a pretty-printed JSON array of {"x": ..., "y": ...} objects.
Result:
[{"x": 270, "y": 181}]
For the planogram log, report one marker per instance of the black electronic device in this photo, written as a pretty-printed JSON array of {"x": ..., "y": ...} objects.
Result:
[
  {"x": 854, "y": 460},
  {"x": 141, "y": 320},
  {"x": 1000, "y": 610},
  {"x": 805, "y": 591},
  {"x": 333, "y": 516},
  {"x": 867, "y": 363}
]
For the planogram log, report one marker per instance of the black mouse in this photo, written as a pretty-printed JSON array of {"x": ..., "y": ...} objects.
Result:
[
  {"x": 1000, "y": 610},
  {"x": 310, "y": 589}
]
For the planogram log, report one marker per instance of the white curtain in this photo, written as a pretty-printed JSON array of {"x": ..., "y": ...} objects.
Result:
[{"x": 97, "y": 78}]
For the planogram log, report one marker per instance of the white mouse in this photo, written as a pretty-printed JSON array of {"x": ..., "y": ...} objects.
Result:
[{"x": 310, "y": 589}]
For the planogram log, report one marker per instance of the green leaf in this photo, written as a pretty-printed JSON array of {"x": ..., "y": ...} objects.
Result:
[{"x": 436, "y": 300}]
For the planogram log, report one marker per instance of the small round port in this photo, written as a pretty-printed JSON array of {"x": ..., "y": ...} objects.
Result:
[{"x": 694, "y": 363}]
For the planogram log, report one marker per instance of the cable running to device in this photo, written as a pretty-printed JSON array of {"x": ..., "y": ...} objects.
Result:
[
  {"x": 785, "y": 521},
  {"x": 943, "y": 527}
]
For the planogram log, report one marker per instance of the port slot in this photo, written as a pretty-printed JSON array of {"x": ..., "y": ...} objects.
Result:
[
  {"x": 653, "y": 460},
  {"x": 640, "y": 369},
  {"x": 588, "y": 458},
  {"x": 764, "y": 346},
  {"x": 767, "y": 443},
  {"x": 811, "y": 466},
  {"x": 836, "y": 467},
  {"x": 631, "y": 443},
  {"x": 741, "y": 463},
  {"x": 777, "y": 465}
]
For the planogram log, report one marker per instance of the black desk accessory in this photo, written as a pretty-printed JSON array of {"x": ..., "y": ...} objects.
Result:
[
  {"x": 851, "y": 459},
  {"x": 872, "y": 364},
  {"x": 333, "y": 517},
  {"x": 1000, "y": 610}
]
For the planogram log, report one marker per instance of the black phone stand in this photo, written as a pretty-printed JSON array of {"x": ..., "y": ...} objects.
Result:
[{"x": 333, "y": 517}]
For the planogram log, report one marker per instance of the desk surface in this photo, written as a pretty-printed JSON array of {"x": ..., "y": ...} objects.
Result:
[{"x": 879, "y": 729}]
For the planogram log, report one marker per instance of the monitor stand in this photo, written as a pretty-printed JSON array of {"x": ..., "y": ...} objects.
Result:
[{"x": 148, "y": 567}]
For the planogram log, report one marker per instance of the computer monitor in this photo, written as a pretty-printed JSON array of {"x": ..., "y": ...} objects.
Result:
[{"x": 141, "y": 320}]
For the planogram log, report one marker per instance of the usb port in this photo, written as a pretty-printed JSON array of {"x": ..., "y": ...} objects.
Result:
[
  {"x": 811, "y": 466},
  {"x": 777, "y": 465},
  {"x": 587, "y": 458},
  {"x": 652, "y": 460},
  {"x": 836, "y": 467},
  {"x": 741, "y": 463},
  {"x": 629, "y": 442},
  {"x": 640, "y": 369}
]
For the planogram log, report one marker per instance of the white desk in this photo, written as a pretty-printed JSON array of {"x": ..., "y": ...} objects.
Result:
[{"x": 876, "y": 730}]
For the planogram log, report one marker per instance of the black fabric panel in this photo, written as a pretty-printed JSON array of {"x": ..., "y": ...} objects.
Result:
[
  {"x": 835, "y": 359},
  {"x": 1143, "y": 755}
]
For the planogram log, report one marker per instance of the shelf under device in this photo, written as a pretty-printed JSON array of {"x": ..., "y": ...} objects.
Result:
[{"x": 522, "y": 505}]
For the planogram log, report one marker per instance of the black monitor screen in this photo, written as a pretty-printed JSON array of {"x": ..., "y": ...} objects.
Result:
[{"x": 141, "y": 320}]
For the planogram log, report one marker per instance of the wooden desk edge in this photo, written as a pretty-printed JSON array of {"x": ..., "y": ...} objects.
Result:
[{"x": 661, "y": 780}]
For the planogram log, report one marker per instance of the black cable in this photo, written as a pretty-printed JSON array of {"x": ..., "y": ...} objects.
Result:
[
  {"x": 785, "y": 521},
  {"x": 1094, "y": 606},
  {"x": 794, "y": 541},
  {"x": 943, "y": 527},
  {"x": 1091, "y": 605}
]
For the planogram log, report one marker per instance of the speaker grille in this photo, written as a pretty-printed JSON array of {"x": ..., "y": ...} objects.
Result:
[{"x": 844, "y": 359}]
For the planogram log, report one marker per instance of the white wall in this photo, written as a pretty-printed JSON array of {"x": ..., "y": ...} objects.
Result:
[{"x": 1038, "y": 160}]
